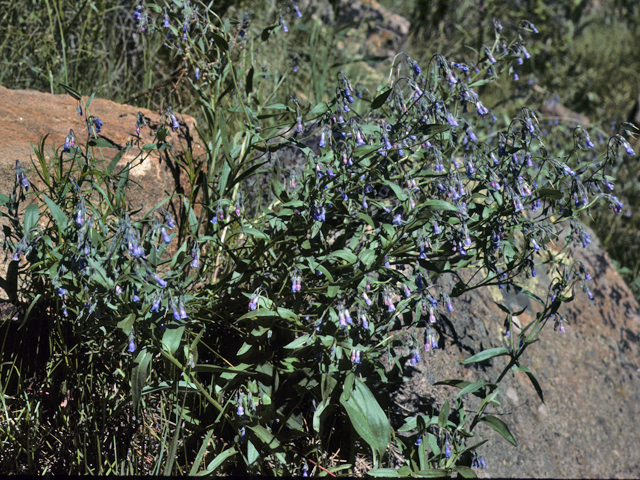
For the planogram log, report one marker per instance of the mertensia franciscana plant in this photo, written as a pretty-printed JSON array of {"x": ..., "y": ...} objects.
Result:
[{"x": 248, "y": 332}]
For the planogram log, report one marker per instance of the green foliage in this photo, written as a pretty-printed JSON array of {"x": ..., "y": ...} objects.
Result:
[{"x": 222, "y": 341}]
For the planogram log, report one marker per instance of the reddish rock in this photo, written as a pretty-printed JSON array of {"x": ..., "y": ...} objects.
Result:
[{"x": 29, "y": 116}]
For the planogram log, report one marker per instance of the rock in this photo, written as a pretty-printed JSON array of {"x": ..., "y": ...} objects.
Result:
[
  {"x": 379, "y": 31},
  {"x": 590, "y": 377},
  {"x": 29, "y": 116}
]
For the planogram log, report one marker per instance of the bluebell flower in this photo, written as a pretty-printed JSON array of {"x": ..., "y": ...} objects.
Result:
[
  {"x": 297, "y": 11},
  {"x": 97, "y": 124},
  {"x": 61, "y": 291},
  {"x": 166, "y": 23},
  {"x": 132, "y": 344},
  {"x": 156, "y": 305},
  {"x": 175, "y": 125},
  {"x": 449, "y": 306},
  {"x": 397, "y": 220},
  {"x": 367, "y": 300},
  {"x": 166, "y": 238},
  {"x": 451, "y": 120},
  {"x": 415, "y": 359},
  {"x": 160, "y": 281},
  {"x": 253, "y": 303},
  {"x": 176, "y": 314},
  {"x": 183, "y": 312},
  {"x": 348, "y": 318},
  {"x": 480, "y": 459},
  {"x": 319, "y": 214},
  {"x": 418, "y": 441},
  {"x": 447, "y": 450}
]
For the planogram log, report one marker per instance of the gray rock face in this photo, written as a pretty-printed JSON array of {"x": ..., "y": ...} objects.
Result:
[{"x": 590, "y": 376}]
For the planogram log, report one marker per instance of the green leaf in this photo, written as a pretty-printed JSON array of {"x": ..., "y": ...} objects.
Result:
[
  {"x": 432, "y": 473},
  {"x": 171, "y": 339},
  {"x": 533, "y": 379},
  {"x": 551, "y": 193},
  {"x": 126, "y": 324},
  {"x": 465, "y": 472},
  {"x": 500, "y": 427},
  {"x": 30, "y": 217},
  {"x": 472, "y": 388},
  {"x": 139, "y": 375},
  {"x": 149, "y": 147},
  {"x": 298, "y": 342},
  {"x": 345, "y": 255},
  {"x": 381, "y": 99},
  {"x": 59, "y": 216},
  {"x": 116, "y": 158},
  {"x": 431, "y": 128},
  {"x": 486, "y": 354},
  {"x": 252, "y": 453},
  {"x": 216, "y": 462},
  {"x": 74, "y": 93},
  {"x": 444, "y": 414},
  {"x": 101, "y": 142},
  {"x": 221, "y": 43},
  {"x": 319, "y": 109},
  {"x": 384, "y": 472},
  {"x": 368, "y": 419},
  {"x": 200, "y": 455},
  {"x": 439, "y": 205}
]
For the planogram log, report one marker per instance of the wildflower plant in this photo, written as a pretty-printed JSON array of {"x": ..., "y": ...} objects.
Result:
[{"x": 313, "y": 238}]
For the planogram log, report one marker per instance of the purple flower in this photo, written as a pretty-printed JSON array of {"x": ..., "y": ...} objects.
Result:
[
  {"x": 253, "y": 303},
  {"x": 407, "y": 292},
  {"x": 160, "y": 281},
  {"x": 166, "y": 23},
  {"x": 285, "y": 29},
  {"x": 480, "y": 459},
  {"x": 79, "y": 218},
  {"x": 348, "y": 318},
  {"x": 451, "y": 120},
  {"x": 397, "y": 220},
  {"x": 447, "y": 450},
  {"x": 297, "y": 11},
  {"x": 136, "y": 250},
  {"x": 240, "y": 411},
  {"x": 367, "y": 300},
  {"x": 436, "y": 228},
  {"x": 322, "y": 143},
  {"x": 415, "y": 359},
  {"x": 319, "y": 214},
  {"x": 61, "y": 291},
  {"x": 183, "y": 313},
  {"x": 156, "y": 305},
  {"x": 359, "y": 140},
  {"x": 176, "y": 314},
  {"x": 174, "y": 123},
  {"x": 166, "y": 238},
  {"x": 132, "y": 344},
  {"x": 449, "y": 306},
  {"x": 98, "y": 124}
]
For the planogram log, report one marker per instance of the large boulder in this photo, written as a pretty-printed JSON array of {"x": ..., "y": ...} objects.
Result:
[
  {"x": 29, "y": 117},
  {"x": 587, "y": 426}
]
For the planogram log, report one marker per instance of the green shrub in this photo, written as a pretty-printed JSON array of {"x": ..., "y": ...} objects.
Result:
[{"x": 315, "y": 237}]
